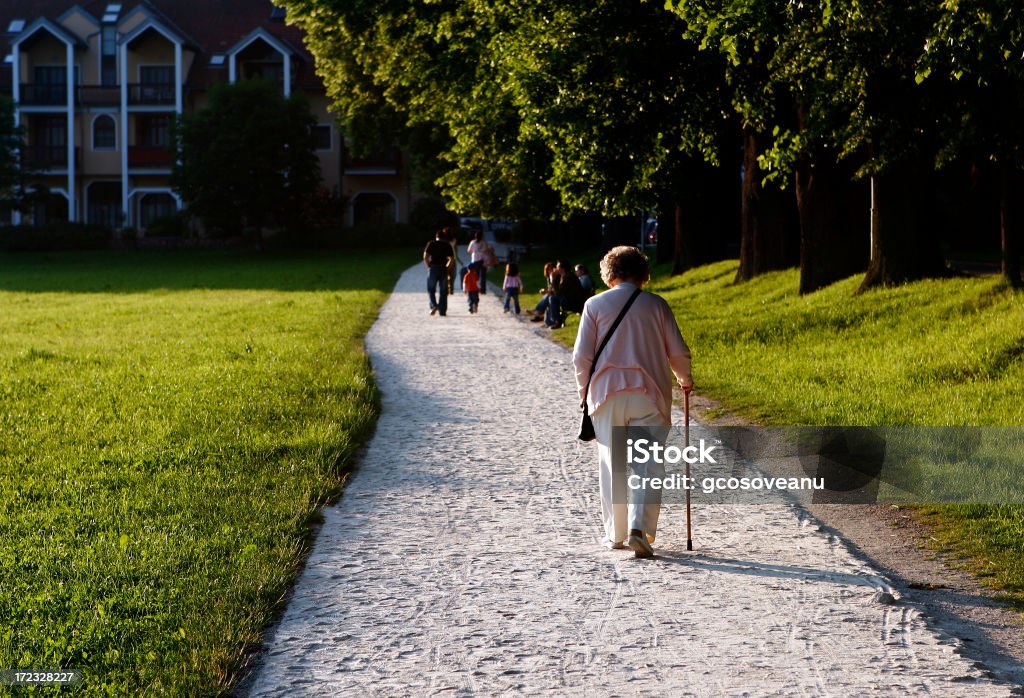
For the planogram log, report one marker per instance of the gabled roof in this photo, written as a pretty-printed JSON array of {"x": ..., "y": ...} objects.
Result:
[
  {"x": 41, "y": 24},
  {"x": 261, "y": 33},
  {"x": 207, "y": 27},
  {"x": 156, "y": 25}
]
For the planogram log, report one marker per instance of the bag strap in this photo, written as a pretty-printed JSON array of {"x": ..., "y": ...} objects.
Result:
[{"x": 604, "y": 343}]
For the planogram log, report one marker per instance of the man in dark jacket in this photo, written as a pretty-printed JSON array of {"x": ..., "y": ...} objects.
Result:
[{"x": 438, "y": 256}]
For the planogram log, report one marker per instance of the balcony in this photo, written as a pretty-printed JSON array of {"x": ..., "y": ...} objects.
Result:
[
  {"x": 96, "y": 96},
  {"x": 156, "y": 156},
  {"x": 386, "y": 162},
  {"x": 40, "y": 95},
  {"x": 46, "y": 157},
  {"x": 157, "y": 95}
]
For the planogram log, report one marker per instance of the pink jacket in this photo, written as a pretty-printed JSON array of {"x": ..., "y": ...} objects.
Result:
[{"x": 643, "y": 354}]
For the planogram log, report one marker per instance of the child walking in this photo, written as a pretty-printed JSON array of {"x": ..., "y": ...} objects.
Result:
[
  {"x": 471, "y": 286},
  {"x": 513, "y": 285}
]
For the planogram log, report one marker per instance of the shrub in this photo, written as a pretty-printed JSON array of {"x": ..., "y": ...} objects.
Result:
[
  {"x": 54, "y": 236},
  {"x": 171, "y": 225}
]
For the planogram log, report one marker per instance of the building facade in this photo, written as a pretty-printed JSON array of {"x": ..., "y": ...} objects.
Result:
[{"x": 97, "y": 86}]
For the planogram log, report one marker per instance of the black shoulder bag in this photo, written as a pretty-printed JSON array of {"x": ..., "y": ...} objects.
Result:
[{"x": 586, "y": 424}]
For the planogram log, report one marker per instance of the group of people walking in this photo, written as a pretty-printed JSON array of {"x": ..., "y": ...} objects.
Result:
[
  {"x": 627, "y": 352},
  {"x": 441, "y": 258}
]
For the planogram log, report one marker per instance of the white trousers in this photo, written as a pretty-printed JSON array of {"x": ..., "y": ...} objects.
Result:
[{"x": 624, "y": 508}]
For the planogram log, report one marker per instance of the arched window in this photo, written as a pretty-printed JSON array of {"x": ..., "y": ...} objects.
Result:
[{"x": 104, "y": 134}]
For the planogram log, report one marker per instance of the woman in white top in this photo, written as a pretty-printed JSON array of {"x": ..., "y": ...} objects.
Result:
[
  {"x": 631, "y": 385},
  {"x": 480, "y": 254}
]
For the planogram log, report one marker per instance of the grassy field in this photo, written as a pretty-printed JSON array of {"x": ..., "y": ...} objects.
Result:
[
  {"x": 169, "y": 423},
  {"x": 942, "y": 352}
]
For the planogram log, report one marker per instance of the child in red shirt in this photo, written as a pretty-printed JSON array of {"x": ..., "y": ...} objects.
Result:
[{"x": 471, "y": 286}]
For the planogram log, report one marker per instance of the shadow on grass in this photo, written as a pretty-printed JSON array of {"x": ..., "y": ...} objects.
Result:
[{"x": 135, "y": 271}]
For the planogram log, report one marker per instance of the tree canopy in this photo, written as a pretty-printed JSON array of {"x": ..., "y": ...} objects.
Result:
[
  {"x": 534, "y": 108},
  {"x": 247, "y": 159}
]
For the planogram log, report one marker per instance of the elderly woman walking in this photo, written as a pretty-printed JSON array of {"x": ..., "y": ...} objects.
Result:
[{"x": 629, "y": 385}]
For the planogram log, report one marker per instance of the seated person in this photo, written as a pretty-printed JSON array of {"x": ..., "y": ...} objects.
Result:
[{"x": 567, "y": 295}]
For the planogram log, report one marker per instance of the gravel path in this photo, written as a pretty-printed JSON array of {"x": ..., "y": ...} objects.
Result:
[{"x": 464, "y": 556}]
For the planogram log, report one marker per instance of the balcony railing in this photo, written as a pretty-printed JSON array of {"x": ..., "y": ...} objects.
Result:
[
  {"x": 151, "y": 95},
  {"x": 386, "y": 162},
  {"x": 39, "y": 95},
  {"x": 46, "y": 157},
  {"x": 150, "y": 156},
  {"x": 94, "y": 95}
]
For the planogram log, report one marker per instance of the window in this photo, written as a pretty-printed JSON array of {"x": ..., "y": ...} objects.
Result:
[
  {"x": 51, "y": 75},
  {"x": 50, "y": 131},
  {"x": 323, "y": 137},
  {"x": 156, "y": 85},
  {"x": 104, "y": 204},
  {"x": 108, "y": 56},
  {"x": 48, "y": 141},
  {"x": 104, "y": 134},
  {"x": 156, "y": 75},
  {"x": 155, "y": 130},
  {"x": 217, "y": 59},
  {"x": 50, "y": 208},
  {"x": 373, "y": 208},
  {"x": 109, "y": 40},
  {"x": 155, "y": 206},
  {"x": 15, "y": 26}
]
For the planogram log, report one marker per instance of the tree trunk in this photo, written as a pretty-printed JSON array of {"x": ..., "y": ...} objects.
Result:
[
  {"x": 1009, "y": 222},
  {"x": 767, "y": 239},
  {"x": 902, "y": 247},
  {"x": 680, "y": 263},
  {"x": 833, "y": 239}
]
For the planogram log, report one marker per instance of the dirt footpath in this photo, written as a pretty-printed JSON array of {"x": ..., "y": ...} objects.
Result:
[{"x": 464, "y": 557}]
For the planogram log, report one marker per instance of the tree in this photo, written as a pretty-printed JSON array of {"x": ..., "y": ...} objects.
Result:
[
  {"x": 974, "y": 54},
  {"x": 624, "y": 103},
  {"x": 852, "y": 66},
  {"x": 745, "y": 34},
  {"x": 13, "y": 191},
  {"x": 247, "y": 159}
]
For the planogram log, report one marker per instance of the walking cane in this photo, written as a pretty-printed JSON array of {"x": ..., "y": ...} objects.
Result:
[{"x": 686, "y": 432}]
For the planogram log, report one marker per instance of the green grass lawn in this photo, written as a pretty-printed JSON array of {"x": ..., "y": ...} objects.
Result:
[
  {"x": 941, "y": 352},
  {"x": 169, "y": 424}
]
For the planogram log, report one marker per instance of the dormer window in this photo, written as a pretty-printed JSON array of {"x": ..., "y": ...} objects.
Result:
[
  {"x": 108, "y": 55},
  {"x": 15, "y": 26}
]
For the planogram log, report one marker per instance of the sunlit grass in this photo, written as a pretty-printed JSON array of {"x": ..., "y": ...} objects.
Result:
[{"x": 169, "y": 424}]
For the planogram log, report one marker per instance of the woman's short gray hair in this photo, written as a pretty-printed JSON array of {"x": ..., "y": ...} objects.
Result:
[{"x": 625, "y": 263}]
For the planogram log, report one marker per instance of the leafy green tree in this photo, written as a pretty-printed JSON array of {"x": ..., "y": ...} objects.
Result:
[
  {"x": 745, "y": 34},
  {"x": 626, "y": 105},
  {"x": 247, "y": 159},
  {"x": 852, "y": 67},
  {"x": 547, "y": 108},
  {"x": 974, "y": 54},
  {"x": 12, "y": 175}
]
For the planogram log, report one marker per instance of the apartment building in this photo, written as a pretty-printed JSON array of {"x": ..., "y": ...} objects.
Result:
[{"x": 97, "y": 85}]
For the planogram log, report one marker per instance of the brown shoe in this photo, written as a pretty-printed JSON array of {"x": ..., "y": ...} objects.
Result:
[{"x": 638, "y": 542}]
